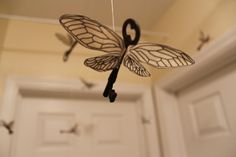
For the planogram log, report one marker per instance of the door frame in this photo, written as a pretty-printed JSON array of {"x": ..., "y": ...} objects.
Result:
[
  {"x": 16, "y": 86},
  {"x": 215, "y": 56}
]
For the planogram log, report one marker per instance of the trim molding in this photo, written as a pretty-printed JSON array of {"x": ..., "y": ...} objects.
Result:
[
  {"x": 17, "y": 87},
  {"x": 54, "y": 21},
  {"x": 219, "y": 53},
  {"x": 27, "y": 18},
  {"x": 172, "y": 139}
]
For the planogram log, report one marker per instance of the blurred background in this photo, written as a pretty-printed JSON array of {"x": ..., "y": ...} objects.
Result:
[{"x": 30, "y": 49}]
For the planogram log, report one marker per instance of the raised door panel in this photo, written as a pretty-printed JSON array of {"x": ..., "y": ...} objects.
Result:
[
  {"x": 117, "y": 130},
  {"x": 51, "y": 127},
  {"x": 208, "y": 116},
  {"x": 38, "y": 129}
]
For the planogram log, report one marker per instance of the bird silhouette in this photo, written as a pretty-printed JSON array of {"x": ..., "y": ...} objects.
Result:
[
  {"x": 69, "y": 41},
  {"x": 7, "y": 126},
  {"x": 72, "y": 130},
  {"x": 203, "y": 40},
  {"x": 87, "y": 84}
]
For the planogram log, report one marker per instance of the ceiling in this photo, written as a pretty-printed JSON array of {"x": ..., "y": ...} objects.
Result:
[{"x": 146, "y": 13}]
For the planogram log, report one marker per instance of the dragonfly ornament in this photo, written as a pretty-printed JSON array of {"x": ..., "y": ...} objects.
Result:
[{"x": 93, "y": 35}]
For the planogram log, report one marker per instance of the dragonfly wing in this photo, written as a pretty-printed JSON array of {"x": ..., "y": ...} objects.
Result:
[
  {"x": 159, "y": 56},
  {"x": 70, "y": 38},
  {"x": 134, "y": 66},
  {"x": 91, "y": 34},
  {"x": 103, "y": 63}
]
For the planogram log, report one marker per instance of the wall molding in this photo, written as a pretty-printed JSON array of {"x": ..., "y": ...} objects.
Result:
[
  {"x": 56, "y": 22},
  {"x": 216, "y": 55},
  {"x": 17, "y": 87}
]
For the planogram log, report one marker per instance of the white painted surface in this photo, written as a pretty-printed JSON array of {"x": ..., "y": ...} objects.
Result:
[
  {"x": 172, "y": 140},
  {"x": 216, "y": 55},
  {"x": 196, "y": 105},
  {"x": 99, "y": 10},
  {"x": 124, "y": 118},
  {"x": 208, "y": 117},
  {"x": 104, "y": 129},
  {"x": 5, "y": 142}
]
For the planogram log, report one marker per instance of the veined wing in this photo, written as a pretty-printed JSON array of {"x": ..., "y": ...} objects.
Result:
[
  {"x": 103, "y": 63},
  {"x": 135, "y": 66},
  {"x": 91, "y": 34},
  {"x": 159, "y": 56}
]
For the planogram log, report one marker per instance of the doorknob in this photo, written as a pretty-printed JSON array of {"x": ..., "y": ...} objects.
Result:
[{"x": 73, "y": 130}]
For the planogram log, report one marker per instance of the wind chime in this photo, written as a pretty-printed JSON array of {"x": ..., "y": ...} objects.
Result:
[{"x": 93, "y": 35}]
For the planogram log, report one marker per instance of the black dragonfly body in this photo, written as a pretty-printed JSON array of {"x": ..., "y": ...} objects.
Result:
[{"x": 93, "y": 35}]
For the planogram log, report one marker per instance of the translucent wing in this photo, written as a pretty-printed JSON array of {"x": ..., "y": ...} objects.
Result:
[
  {"x": 135, "y": 66},
  {"x": 91, "y": 34},
  {"x": 159, "y": 56},
  {"x": 103, "y": 63},
  {"x": 70, "y": 38}
]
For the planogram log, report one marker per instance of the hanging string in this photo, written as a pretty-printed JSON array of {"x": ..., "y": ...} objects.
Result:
[{"x": 113, "y": 15}]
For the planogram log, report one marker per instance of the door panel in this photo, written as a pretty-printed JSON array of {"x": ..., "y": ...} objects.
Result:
[
  {"x": 207, "y": 111},
  {"x": 71, "y": 127}
]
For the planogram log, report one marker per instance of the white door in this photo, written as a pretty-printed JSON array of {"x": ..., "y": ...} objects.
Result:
[
  {"x": 58, "y": 127},
  {"x": 208, "y": 115}
]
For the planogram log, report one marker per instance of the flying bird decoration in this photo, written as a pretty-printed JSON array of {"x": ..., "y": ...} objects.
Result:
[
  {"x": 87, "y": 84},
  {"x": 204, "y": 39},
  {"x": 8, "y": 126},
  {"x": 73, "y": 130},
  {"x": 68, "y": 41},
  {"x": 93, "y": 35}
]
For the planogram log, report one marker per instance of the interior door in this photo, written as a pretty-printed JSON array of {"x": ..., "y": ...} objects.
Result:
[
  {"x": 207, "y": 110},
  {"x": 62, "y": 127}
]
